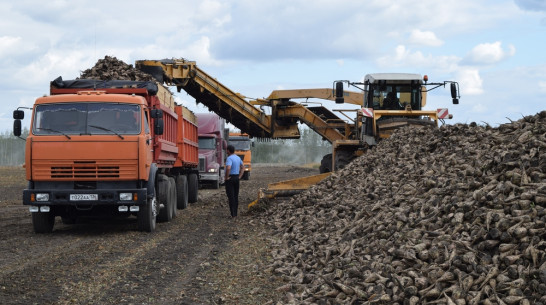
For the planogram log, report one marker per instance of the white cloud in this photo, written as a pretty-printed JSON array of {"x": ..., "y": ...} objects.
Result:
[
  {"x": 470, "y": 81},
  {"x": 406, "y": 58},
  {"x": 425, "y": 38},
  {"x": 9, "y": 45},
  {"x": 489, "y": 53}
]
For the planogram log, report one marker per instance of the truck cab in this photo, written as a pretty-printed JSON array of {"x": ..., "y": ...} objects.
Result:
[
  {"x": 243, "y": 144},
  {"x": 212, "y": 149}
]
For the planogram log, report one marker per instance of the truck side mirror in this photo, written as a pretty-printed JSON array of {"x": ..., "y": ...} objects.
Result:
[
  {"x": 18, "y": 114},
  {"x": 339, "y": 93},
  {"x": 156, "y": 113},
  {"x": 17, "y": 127},
  {"x": 454, "y": 93},
  {"x": 158, "y": 126}
]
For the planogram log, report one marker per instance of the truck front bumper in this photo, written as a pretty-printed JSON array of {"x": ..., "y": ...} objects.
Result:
[
  {"x": 71, "y": 197},
  {"x": 209, "y": 176}
]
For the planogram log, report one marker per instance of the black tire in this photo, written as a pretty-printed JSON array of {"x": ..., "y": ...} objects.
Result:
[
  {"x": 193, "y": 188},
  {"x": 326, "y": 164},
  {"x": 43, "y": 222},
  {"x": 172, "y": 197},
  {"x": 146, "y": 217},
  {"x": 216, "y": 184},
  {"x": 246, "y": 175},
  {"x": 182, "y": 192},
  {"x": 163, "y": 187},
  {"x": 343, "y": 157}
]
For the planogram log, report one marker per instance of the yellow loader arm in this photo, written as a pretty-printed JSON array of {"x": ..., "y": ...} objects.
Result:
[{"x": 288, "y": 187}]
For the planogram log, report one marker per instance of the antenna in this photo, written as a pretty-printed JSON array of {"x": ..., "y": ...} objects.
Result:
[{"x": 95, "y": 51}]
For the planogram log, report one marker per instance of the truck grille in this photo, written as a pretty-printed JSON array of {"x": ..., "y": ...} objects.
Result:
[
  {"x": 86, "y": 170},
  {"x": 201, "y": 164}
]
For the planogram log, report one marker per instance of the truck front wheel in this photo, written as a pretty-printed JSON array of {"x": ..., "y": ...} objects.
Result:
[
  {"x": 146, "y": 217},
  {"x": 43, "y": 222}
]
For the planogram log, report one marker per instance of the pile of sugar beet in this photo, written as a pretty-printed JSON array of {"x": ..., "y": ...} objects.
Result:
[
  {"x": 111, "y": 68},
  {"x": 451, "y": 215}
]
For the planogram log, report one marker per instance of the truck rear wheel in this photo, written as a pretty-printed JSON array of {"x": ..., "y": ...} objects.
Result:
[
  {"x": 173, "y": 195},
  {"x": 166, "y": 210},
  {"x": 181, "y": 192},
  {"x": 43, "y": 222},
  {"x": 146, "y": 217},
  {"x": 193, "y": 188}
]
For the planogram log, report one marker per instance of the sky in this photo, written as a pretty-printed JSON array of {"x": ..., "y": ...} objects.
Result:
[{"x": 494, "y": 49}]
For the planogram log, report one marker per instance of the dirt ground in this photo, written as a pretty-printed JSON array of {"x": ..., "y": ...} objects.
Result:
[{"x": 200, "y": 257}]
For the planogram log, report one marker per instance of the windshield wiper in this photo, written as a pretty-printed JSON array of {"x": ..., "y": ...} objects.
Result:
[
  {"x": 106, "y": 129},
  {"x": 57, "y": 131}
]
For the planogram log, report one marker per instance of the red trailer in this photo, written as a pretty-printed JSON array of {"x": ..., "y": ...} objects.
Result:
[{"x": 109, "y": 147}]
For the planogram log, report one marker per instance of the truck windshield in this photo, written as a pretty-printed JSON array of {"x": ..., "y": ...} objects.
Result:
[
  {"x": 207, "y": 143},
  {"x": 86, "y": 118},
  {"x": 240, "y": 144}
]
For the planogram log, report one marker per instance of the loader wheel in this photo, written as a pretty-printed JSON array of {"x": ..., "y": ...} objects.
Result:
[
  {"x": 326, "y": 164},
  {"x": 146, "y": 217},
  {"x": 43, "y": 222},
  {"x": 343, "y": 158},
  {"x": 181, "y": 192},
  {"x": 172, "y": 196},
  {"x": 193, "y": 188},
  {"x": 163, "y": 187}
]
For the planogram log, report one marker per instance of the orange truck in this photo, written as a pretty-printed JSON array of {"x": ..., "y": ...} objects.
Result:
[
  {"x": 108, "y": 148},
  {"x": 242, "y": 144}
]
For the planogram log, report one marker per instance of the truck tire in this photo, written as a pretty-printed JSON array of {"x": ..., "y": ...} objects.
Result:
[
  {"x": 326, "y": 164},
  {"x": 246, "y": 175},
  {"x": 173, "y": 195},
  {"x": 163, "y": 188},
  {"x": 43, "y": 222},
  {"x": 216, "y": 184},
  {"x": 181, "y": 192},
  {"x": 193, "y": 188},
  {"x": 146, "y": 217}
]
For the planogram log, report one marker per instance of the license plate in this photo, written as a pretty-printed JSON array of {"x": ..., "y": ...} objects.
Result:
[{"x": 82, "y": 197}]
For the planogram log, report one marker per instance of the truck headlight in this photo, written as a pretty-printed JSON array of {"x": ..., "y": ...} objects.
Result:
[
  {"x": 125, "y": 196},
  {"x": 42, "y": 197},
  {"x": 212, "y": 170}
]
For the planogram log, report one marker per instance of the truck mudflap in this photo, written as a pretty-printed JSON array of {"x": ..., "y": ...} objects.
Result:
[{"x": 87, "y": 198}]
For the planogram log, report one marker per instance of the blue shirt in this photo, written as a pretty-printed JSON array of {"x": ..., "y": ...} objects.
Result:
[{"x": 235, "y": 162}]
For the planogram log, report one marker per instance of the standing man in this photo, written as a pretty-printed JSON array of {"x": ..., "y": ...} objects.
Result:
[{"x": 234, "y": 172}]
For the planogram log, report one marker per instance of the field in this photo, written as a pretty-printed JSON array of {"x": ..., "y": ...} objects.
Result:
[{"x": 201, "y": 257}]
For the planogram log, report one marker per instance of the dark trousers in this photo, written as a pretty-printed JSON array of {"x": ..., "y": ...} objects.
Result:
[{"x": 232, "y": 191}]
